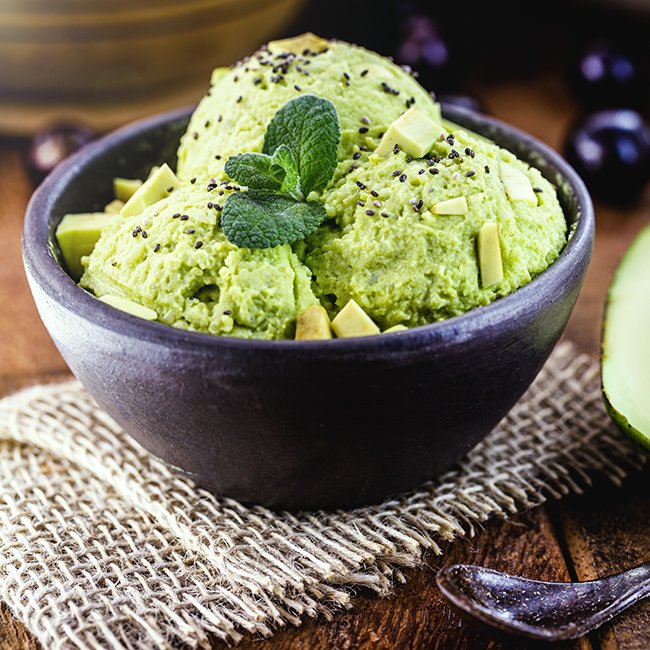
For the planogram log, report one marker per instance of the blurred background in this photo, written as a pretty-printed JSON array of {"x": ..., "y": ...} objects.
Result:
[{"x": 76, "y": 68}]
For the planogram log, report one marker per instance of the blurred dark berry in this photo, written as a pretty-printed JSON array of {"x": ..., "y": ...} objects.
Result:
[
  {"x": 463, "y": 101},
  {"x": 422, "y": 48},
  {"x": 50, "y": 146},
  {"x": 607, "y": 77},
  {"x": 611, "y": 151}
]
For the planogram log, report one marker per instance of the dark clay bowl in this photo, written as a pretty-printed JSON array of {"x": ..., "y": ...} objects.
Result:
[{"x": 316, "y": 424}]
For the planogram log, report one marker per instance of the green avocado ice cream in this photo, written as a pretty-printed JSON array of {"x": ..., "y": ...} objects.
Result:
[{"x": 411, "y": 237}]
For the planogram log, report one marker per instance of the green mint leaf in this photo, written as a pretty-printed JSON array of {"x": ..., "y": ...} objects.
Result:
[
  {"x": 284, "y": 162},
  {"x": 256, "y": 219},
  {"x": 310, "y": 127},
  {"x": 255, "y": 171}
]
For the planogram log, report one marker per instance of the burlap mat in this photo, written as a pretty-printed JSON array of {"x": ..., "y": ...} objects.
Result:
[{"x": 102, "y": 546}]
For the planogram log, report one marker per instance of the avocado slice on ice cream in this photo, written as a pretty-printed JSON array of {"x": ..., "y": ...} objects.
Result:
[
  {"x": 77, "y": 235},
  {"x": 626, "y": 343}
]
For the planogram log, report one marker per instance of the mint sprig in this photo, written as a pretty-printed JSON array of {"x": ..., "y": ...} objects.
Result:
[
  {"x": 309, "y": 126},
  {"x": 264, "y": 219},
  {"x": 299, "y": 157}
]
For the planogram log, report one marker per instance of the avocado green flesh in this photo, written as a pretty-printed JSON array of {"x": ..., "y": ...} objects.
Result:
[
  {"x": 77, "y": 235},
  {"x": 626, "y": 343}
]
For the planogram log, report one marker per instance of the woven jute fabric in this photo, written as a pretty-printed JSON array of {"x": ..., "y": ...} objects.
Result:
[{"x": 103, "y": 546}]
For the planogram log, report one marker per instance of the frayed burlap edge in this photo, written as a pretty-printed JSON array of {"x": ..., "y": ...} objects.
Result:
[{"x": 101, "y": 545}]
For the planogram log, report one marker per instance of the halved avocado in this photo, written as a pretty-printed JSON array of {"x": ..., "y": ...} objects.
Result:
[{"x": 625, "y": 363}]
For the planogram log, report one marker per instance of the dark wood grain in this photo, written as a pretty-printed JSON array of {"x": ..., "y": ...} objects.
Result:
[
  {"x": 608, "y": 533},
  {"x": 605, "y": 530},
  {"x": 418, "y": 616}
]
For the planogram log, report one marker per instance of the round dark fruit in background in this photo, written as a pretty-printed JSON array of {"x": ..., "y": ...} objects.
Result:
[
  {"x": 422, "y": 48},
  {"x": 611, "y": 151},
  {"x": 50, "y": 146},
  {"x": 608, "y": 77}
]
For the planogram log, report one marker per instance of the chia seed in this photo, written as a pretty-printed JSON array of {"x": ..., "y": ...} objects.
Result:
[
  {"x": 370, "y": 213},
  {"x": 198, "y": 244},
  {"x": 402, "y": 178},
  {"x": 156, "y": 248}
]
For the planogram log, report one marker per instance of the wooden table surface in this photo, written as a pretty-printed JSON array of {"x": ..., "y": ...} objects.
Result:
[{"x": 605, "y": 530}]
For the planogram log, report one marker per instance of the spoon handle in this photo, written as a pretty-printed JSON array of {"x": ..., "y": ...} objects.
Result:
[
  {"x": 636, "y": 580},
  {"x": 629, "y": 586}
]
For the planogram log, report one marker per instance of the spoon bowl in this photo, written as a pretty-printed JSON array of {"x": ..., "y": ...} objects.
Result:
[{"x": 546, "y": 611}]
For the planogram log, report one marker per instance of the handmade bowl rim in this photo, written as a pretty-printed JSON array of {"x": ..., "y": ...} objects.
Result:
[{"x": 50, "y": 276}]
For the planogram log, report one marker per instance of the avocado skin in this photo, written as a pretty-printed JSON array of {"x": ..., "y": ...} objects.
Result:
[{"x": 641, "y": 441}]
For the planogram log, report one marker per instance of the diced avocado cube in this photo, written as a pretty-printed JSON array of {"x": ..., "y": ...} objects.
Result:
[
  {"x": 517, "y": 185},
  {"x": 489, "y": 255},
  {"x": 114, "y": 207},
  {"x": 414, "y": 132},
  {"x": 395, "y": 328},
  {"x": 313, "y": 324},
  {"x": 77, "y": 235},
  {"x": 125, "y": 188},
  {"x": 298, "y": 44},
  {"x": 218, "y": 73},
  {"x": 353, "y": 321},
  {"x": 130, "y": 307},
  {"x": 159, "y": 185},
  {"x": 457, "y": 205}
]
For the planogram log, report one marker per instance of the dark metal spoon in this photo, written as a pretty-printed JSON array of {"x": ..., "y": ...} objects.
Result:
[{"x": 547, "y": 611}]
